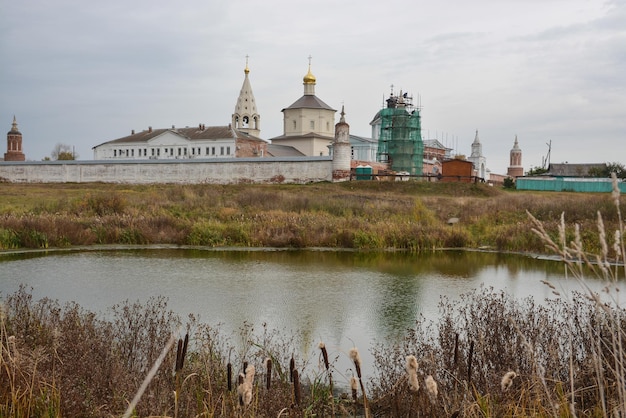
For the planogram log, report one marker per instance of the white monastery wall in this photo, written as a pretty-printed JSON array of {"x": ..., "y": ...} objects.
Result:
[{"x": 216, "y": 171}]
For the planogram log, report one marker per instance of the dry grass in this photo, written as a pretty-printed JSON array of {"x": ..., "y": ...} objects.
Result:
[
  {"x": 364, "y": 215},
  {"x": 486, "y": 355}
]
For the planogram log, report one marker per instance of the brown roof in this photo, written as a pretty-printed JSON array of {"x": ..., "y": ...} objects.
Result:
[
  {"x": 199, "y": 132},
  {"x": 309, "y": 101},
  {"x": 275, "y": 150}
]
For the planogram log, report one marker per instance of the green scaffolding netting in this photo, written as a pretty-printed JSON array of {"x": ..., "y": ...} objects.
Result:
[{"x": 400, "y": 143}]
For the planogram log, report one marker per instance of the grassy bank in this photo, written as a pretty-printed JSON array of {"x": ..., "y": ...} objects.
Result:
[
  {"x": 486, "y": 355},
  {"x": 363, "y": 215}
]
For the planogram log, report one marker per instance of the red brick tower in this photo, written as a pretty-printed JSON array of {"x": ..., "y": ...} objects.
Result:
[
  {"x": 515, "y": 168},
  {"x": 14, "y": 144}
]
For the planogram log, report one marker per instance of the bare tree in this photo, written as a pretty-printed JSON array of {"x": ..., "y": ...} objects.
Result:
[{"x": 63, "y": 152}]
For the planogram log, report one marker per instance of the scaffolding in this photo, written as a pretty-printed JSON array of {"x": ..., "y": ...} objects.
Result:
[{"x": 400, "y": 142}]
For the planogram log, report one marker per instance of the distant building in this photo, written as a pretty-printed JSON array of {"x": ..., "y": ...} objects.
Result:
[
  {"x": 309, "y": 123},
  {"x": 246, "y": 118},
  {"x": 233, "y": 141},
  {"x": 341, "y": 150},
  {"x": 574, "y": 170},
  {"x": 478, "y": 159},
  {"x": 457, "y": 170},
  {"x": 515, "y": 164},
  {"x": 363, "y": 149},
  {"x": 14, "y": 144},
  {"x": 400, "y": 141}
]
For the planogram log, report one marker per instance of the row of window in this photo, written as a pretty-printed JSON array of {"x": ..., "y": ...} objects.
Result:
[
  {"x": 312, "y": 125},
  {"x": 172, "y": 152}
]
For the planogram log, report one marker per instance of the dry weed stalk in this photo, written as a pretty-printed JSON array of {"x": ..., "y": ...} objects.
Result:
[
  {"x": 607, "y": 357},
  {"x": 149, "y": 377}
]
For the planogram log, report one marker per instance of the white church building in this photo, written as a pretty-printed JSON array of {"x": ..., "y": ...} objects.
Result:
[{"x": 237, "y": 140}]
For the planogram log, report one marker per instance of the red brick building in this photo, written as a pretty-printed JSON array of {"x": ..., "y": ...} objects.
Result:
[{"x": 14, "y": 144}]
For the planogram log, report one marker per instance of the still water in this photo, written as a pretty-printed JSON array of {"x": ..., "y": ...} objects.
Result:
[{"x": 343, "y": 298}]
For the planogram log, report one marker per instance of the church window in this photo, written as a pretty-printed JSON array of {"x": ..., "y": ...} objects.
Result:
[
  {"x": 221, "y": 150},
  {"x": 227, "y": 150},
  {"x": 207, "y": 151},
  {"x": 179, "y": 151},
  {"x": 115, "y": 153},
  {"x": 158, "y": 152},
  {"x": 185, "y": 151},
  {"x": 312, "y": 124},
  {"x": 212, "y": 150}
]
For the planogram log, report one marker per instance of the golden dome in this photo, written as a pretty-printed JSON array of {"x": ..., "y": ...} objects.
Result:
[{"x": 309, "y": 78}]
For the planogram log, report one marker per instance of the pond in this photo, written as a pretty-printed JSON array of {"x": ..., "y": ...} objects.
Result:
[{"x": 343, "y": 298}]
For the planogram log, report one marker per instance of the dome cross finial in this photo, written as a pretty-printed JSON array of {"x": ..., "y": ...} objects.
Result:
[{"x": 309, "y": 78}]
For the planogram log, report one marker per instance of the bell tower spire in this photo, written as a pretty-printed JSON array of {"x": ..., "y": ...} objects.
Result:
[{"x": 246, "y": 118}]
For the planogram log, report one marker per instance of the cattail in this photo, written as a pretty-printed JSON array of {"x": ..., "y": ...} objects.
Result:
[
  {"x": 507, "y": 380},
  {"x": 431, "y": 387},
  {"x": 247, "y": 395},
  {"x": 181, "y": 352},
  {"x": 354, "y": 386},
  {"x": 241, "y": 389},
  {"x": 249, "y": 378},
  {"x": 469, "y": 363},
  {"x": 292, "y": 368},
  {"x": 356, "y": 359},
  {"x": 268, "y": 377},
  {"x": 244, "y": 392},
  {"x": 322, "y": 347},
  {"x": 411, "y": 370},
  {"x": 297, "y": 395},
  {"x": 229, "y": 376}
]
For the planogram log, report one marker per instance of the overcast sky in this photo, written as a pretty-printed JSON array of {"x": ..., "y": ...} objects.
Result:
[{"x": 82, "y": 73}]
